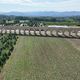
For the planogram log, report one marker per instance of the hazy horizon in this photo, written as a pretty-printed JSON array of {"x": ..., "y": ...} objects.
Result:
[
  {"x": 36, "y": 11},
  {"x": 39, "y": 5}
]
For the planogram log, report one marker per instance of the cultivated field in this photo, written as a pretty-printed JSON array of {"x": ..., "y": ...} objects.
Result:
[{"x": 39, "y": 58}]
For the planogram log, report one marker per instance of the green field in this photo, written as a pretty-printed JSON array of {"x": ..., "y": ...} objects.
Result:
[{"x": 39, "y": 58}]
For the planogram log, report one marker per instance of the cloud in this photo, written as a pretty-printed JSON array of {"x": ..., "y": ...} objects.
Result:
[
  {"x": 35, "y": 5},
  {"x": 15, "y": 1},
  {"x": 29, "y": 1},
  {"x": 67, "y": 5}
]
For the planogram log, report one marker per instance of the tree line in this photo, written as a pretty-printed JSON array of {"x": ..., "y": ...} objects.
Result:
[
  {"x": 7, "y": 42},
  {"x": 73, "y": 20}
]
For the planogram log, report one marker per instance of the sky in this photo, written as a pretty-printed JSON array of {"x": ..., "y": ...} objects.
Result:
[{"x": 39, "y": 5}]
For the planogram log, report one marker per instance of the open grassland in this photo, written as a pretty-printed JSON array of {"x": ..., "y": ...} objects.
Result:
[{"x": 38, "y": 58}]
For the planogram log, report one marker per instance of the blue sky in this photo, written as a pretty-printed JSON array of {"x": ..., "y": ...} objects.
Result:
[{"x": 39, "y": 5}]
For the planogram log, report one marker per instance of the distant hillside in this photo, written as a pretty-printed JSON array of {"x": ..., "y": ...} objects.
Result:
[{"x": 53, "y": 14}]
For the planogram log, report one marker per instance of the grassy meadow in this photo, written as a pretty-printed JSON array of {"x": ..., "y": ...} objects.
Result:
[{"x": 41, "y": 58}]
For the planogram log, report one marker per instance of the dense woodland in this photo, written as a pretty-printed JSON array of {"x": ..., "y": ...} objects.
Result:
[{"x": 74, "y": 20}]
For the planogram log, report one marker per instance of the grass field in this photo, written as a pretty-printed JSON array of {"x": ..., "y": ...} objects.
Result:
[{"x": 38, "y": 58}]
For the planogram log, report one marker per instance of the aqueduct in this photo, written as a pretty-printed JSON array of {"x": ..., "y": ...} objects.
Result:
[{"x": 41, "y": 31}]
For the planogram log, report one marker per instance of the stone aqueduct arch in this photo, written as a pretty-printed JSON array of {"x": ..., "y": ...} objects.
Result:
[{"x": 41, "y": 31}]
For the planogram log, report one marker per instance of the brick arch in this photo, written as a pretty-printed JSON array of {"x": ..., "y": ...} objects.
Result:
[
  {"x": 54, "y": 32},
  {"x": 78, "y": 33},
  {"x": 13, "y": 31},
  {"x": 73, "y": 33},
  {"x": 41, "y": 31},
  {"x": 67, "y": 33},
  {"x": 60, "y": 32},
  {"x": 48, "y": 32},
  {"x": 21, "y": 32},
  {"x": 17, "y": 31}
]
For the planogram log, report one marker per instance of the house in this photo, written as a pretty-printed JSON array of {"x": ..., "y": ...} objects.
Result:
[
  {"x": 10, "y": 21},
  {"x": 23, "y": 21}
]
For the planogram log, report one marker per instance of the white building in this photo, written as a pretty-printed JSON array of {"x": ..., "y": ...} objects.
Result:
[{"x": 58, "y": 26}]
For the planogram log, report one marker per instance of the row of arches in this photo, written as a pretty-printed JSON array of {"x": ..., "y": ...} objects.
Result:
[{"x": 42, "y": 32}]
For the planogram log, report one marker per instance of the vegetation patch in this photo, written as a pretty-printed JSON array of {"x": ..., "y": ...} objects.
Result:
[{"x": 7, "y": 42}]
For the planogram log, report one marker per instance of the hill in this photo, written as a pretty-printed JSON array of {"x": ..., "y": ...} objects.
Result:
[{"x": 52, "y": 14}]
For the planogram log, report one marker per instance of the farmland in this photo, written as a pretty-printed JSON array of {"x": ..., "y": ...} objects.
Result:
[{"x": 39, "y": 58}]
